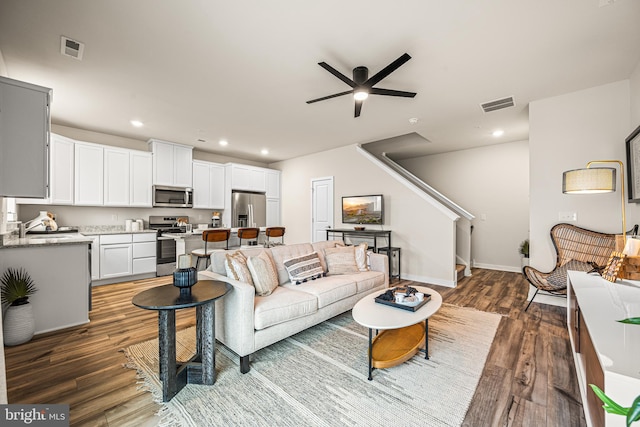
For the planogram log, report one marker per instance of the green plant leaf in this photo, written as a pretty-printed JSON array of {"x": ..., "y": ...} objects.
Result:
[
  {"x": 16, "y": 286},
  {"x": 634, "y": 412},
  {"x": 631, "y": 321},
  {"x": 609, "y": 405}
]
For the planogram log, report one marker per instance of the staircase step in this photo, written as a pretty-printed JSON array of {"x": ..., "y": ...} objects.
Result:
[{"x": 460, "y": 271}]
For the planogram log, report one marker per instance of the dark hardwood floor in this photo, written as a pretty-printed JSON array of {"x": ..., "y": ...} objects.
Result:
[{"x": 528, "y": 380}]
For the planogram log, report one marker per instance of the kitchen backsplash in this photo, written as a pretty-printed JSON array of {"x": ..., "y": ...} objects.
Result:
[{"x": 83, "y": 216}]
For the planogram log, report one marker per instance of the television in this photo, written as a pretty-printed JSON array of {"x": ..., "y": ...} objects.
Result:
[{"x": 363, "y": 209}]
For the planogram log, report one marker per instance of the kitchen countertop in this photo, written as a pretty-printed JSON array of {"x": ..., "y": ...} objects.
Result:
[
  {"x": 12, "y": 240},
  {"x": 46, "y": 240}
]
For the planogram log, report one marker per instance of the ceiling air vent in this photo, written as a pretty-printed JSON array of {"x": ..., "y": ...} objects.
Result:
[
  {"x": 72, "y": 48},
  {"x": 498, "y": 104}
]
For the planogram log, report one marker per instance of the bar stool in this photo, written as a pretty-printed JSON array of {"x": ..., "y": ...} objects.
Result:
[
  {"x": 211, "y": 235},
  {"x": 274, "y": 232},
  {"x": 248, "y": 234}
]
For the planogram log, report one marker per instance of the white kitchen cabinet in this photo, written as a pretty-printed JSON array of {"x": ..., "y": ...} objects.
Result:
[
  {"x": 95, "y": 257},
  {"x": 61, "y": 167},
  {"x": 141, "y": 178},
  {"x": 273, "y": 212},
  {"x": 273, "y": 184},
  {"x": 116, "y": 177},
  {"x": 89, "y": 174},
  {"x": 116, "y": 255},
  {"x": 24, "y": 139},
  {"x": 208, "y": 185},
  {"x": 172, "y": 163},
  {"x": 144, "y": 253},
  {"x": 248, "y": 178}
]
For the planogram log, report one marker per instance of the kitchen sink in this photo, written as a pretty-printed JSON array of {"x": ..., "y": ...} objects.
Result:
[{"x": 52, "y": 236}]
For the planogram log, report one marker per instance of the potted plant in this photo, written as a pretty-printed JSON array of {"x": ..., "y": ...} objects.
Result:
[
  {"x": 16, "y": 287},
  {"x": 524, "y": 251}
]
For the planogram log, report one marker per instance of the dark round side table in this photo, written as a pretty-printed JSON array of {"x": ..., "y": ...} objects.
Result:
[{"x": 201, "y": 368}]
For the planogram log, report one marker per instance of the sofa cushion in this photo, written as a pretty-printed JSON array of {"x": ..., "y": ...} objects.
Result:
[
  {"x": 321, "y": 246},
  {"x": 283, "y": 305},
  {"x": 362, "y": 257},
  {"x": 282, "y": 253},
  {"x": 219, "y": 259},
  {"x": 263, "y": 273},
  {"x": 328, "y": 289},
  {"x": 341, "y": 260},
  {"x": 304, "y": 268},
  {"x": 367, "y": 280},
  {"x": 236, "y": 268}
]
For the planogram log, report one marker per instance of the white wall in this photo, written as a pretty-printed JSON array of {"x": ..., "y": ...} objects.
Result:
[
  {"x": 635, "y": 96},
  {"x": 493, "y": 184},
  {"x": 405, "y": 213},
  {"x": 566, "y": 132}
]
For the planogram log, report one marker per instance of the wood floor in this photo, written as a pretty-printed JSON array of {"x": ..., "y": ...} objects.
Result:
[{"x": 528, "y": 380}]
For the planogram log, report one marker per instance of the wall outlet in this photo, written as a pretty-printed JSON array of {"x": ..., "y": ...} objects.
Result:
[
  {"x": 483, "y": 217},
  {"x": 567, "y": 216},
  {"x": 114, "y": 217}
]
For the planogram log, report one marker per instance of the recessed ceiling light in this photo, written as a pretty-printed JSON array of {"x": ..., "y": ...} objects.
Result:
[
  {"x": 498, "y": 133},
  {"x": 413, "y": 120},
  {"x": 223, "y": 142},
  {"x": 264, "y": 151},
  {"x": 136, "y": 123}
]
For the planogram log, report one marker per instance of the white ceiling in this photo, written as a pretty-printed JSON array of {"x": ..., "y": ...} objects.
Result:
[{"x": 242, "y": 70}]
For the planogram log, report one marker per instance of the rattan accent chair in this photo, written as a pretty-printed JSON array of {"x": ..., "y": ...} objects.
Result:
[{"x": 572, "y": 244}]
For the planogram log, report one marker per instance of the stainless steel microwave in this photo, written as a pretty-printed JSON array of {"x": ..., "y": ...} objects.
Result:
[{"x": 172, "y": 197}]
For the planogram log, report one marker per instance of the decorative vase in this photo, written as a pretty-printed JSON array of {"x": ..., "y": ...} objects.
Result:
[
  {"x": 185, "y": 277},
  {"x": 524, "y": 261},
  {"x": 19, "y": 324}
]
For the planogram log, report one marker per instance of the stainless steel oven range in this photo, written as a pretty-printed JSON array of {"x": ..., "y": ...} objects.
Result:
[{"x": 166, "y": 246}]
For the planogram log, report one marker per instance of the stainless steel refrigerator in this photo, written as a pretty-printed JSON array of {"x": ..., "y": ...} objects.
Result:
[{"x": 248, "y": 209}]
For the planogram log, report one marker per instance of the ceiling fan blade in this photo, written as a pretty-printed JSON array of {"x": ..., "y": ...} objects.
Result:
[
  {"x": 358, "y": 109},
  {"x": 387, "y": 70},
  {"x": 329, "y": 96},
  {"x": 390, "y": 92},
  {"x": 337, "y": 73}
]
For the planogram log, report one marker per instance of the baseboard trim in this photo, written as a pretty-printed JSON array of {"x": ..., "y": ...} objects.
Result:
[
  {"x": 431, "y": 280},
  {"x": 508, "y": 268}
]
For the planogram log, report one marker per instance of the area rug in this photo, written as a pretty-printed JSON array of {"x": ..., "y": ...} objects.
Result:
[{"x": 319, "y": 378}]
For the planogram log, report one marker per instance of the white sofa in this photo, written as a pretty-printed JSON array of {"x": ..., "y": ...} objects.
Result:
[{"x": 245, "y": 322}]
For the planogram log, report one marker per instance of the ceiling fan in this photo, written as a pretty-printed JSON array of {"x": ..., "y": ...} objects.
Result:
[{"x": 362, "y": 85}]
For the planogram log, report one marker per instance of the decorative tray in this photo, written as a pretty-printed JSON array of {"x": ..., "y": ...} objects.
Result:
[{"x": 412, "y": 305}]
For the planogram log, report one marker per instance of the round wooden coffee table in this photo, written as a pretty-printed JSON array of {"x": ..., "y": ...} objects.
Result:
[{"x": 403, "y": 331}]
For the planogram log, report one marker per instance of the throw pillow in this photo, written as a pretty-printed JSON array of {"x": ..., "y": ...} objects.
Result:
[
  {"x": 341, "y": 260},
  {"x": 263, "y": 273},
  {"x": 303, "y": 268},
  {"x": 558, "y": 277},
  {"x": 236, "y": 267},
  {"x": 362, "y": 257}
]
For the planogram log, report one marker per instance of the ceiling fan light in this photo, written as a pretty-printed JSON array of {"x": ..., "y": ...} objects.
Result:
[{"x": 360, "y": 95}]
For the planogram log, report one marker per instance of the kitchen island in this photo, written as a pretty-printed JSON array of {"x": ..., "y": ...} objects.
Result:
[
  {"x": 59, "y": 267},
  {"x": 187, "y": 242}
]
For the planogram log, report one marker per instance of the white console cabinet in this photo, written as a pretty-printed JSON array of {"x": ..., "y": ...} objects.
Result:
[{"x": 606, "y": 352}]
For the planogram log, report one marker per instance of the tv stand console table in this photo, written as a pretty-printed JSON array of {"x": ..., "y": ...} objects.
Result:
[{"x": 367, "y": 234}]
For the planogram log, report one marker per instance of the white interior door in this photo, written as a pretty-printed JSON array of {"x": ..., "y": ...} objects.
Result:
[{"x": 322, "y": 208}]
